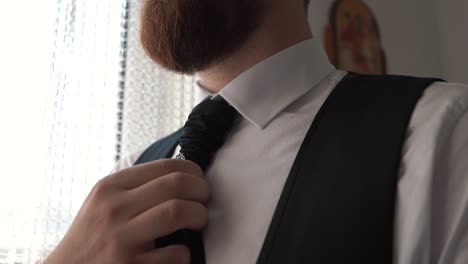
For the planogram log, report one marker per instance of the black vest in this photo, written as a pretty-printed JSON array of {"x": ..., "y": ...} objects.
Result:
[{"x": 338, "y": 203}]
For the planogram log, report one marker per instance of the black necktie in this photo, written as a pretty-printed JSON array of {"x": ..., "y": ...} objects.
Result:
[{"x": 203, "y": 134}]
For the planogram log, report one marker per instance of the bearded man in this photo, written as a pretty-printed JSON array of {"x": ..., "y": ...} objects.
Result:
[{"x": 285, "y": 159}]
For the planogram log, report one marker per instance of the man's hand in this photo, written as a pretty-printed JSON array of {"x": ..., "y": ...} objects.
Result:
[{"x": 126, "y": 211}]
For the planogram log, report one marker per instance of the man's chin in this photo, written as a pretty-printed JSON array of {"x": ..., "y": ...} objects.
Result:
[{"x": 189, "y": 36}]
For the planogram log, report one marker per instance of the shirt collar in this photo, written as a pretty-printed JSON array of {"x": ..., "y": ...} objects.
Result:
[{"x": 265, "y": 90}]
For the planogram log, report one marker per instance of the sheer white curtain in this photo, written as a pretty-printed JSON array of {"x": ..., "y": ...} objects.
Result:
[
  {"x": 58, "y": 107},
  {"x": 156, "y": 102},
  {"x": 77, "y": 91}
]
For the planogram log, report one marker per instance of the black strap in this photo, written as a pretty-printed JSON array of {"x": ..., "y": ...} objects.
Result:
[{"x": 338, "y": 203}]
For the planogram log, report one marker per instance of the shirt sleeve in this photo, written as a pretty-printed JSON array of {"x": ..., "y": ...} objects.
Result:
[
  {"x": 432, "y": 198},
  {"x": 450, "y": 195}
]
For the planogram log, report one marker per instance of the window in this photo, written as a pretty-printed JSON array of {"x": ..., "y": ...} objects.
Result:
[{"x": 59, "y": 116}]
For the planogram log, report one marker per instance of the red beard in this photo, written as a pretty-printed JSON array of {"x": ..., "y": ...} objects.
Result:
[{"x": 188, "y": 36}]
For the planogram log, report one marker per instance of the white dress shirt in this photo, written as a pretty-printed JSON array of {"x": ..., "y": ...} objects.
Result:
[{"x": 278, "y": 99}]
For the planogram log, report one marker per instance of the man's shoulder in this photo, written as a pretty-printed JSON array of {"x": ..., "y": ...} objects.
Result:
[
  {"x": 438, "y": 95},
  {"x": 451, "y": 97},
  {"x": 440, "y": 109},
  {"x": 450, "y": 90}
]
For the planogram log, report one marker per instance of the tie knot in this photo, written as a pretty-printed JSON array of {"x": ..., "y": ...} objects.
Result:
[{"x": 206, "y": 130}]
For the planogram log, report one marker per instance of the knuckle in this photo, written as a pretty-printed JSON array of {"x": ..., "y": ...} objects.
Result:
[
  {"x": 111, "y": 210},
  {"x": 167, "y": 164},
  {"x": 102, "y": 188},
  {"x": 183, "y": 214},
  {"x": 193, "y": 167},
  {"x": 188, "y": 166},
  {"x": 107, "y": 200},
  {"x": 178, "y": 183},
  {"x": 175, "y": 211}
]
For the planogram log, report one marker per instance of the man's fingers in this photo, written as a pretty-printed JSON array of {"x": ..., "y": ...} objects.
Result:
[
  {"x": 165, "y": 219},
  {"x": 177, "y": 185},
  {"x": 168, "y": 255},
  {"x": 140, "y": 174}
]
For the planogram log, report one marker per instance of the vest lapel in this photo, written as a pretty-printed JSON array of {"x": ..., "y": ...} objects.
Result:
[{"x": 162, "y": 149}]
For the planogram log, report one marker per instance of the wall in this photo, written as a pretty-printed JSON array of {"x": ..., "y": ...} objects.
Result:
[
  {"x": 453, "y": 28},
  {"x": 420, "y": 37}
]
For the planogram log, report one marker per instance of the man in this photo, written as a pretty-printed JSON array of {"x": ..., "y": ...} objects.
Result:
[{"x": 260, "y": 57}]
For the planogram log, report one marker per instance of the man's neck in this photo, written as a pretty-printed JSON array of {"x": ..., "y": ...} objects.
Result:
[{"x": 280, "y": 30}]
